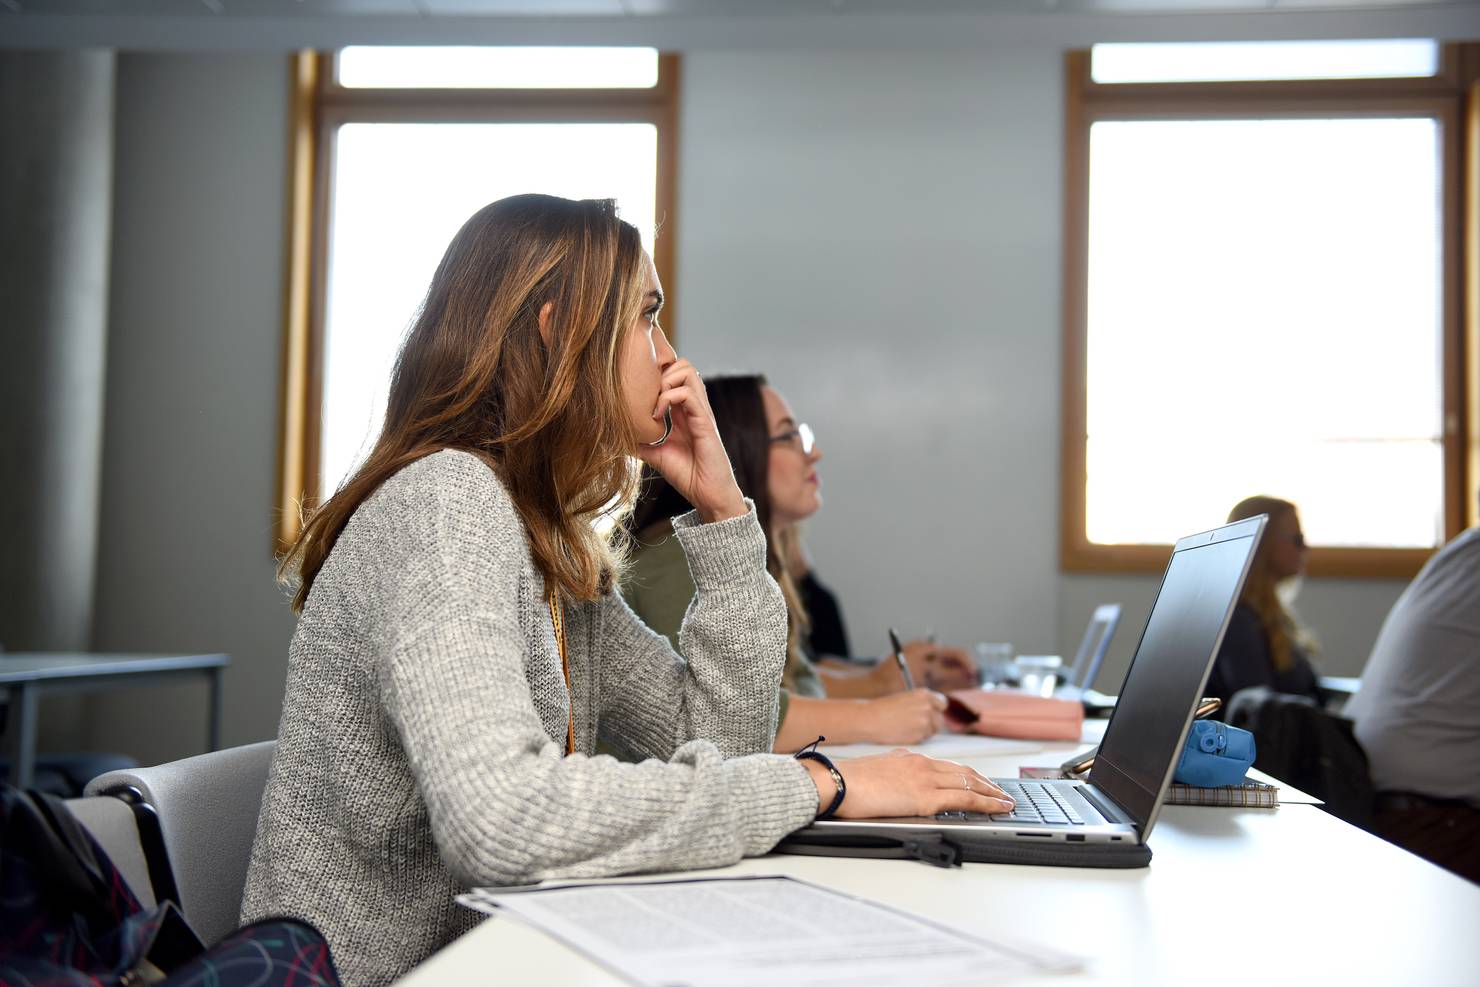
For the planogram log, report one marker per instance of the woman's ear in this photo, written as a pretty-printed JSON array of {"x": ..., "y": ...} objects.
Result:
[{"x": 545, "y": 311}]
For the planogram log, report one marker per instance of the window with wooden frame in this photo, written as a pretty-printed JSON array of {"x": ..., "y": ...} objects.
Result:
[
  {"x": 391, "y": 150},
  {"x": 1270, "y": 287}
]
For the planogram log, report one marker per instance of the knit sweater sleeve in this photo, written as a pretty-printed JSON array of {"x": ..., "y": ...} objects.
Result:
[
  {"x": 504, "y": 803},
  {"x": 733, "y": 644}
]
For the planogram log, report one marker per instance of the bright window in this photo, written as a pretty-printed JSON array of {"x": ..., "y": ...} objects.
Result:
[
  {"x": 394, "y": 149},
  {"x": 1265, "y": 294},
  {"x": 1248, "y": 61},
  {"x": 383, "y": 249},
  {"x": 498, "y": 68},
  {"x": 1264, "y": 316}
]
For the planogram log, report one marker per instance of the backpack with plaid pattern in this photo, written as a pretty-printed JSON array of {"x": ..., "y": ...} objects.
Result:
[{"x": 68, "y": 918}]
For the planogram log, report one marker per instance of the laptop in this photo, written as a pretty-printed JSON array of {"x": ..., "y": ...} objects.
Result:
[
  {"x": 1117, "y": 805},
  {"x": 1091, "y": 654}
]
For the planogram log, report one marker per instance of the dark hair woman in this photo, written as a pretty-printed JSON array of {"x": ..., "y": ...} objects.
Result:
[
  {"x": 459, "y": 650},
  {"x": 777, "y": 468}
]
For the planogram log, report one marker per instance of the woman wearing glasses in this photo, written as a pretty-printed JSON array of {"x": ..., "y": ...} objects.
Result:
[
  {"x": 775, "y": 460},
  {"x": 1265, "y": 644}
]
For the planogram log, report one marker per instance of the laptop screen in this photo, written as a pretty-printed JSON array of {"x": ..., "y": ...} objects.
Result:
[
  {"x": 1096, "y": 642},
  {"x": 1170, "y": 669}
]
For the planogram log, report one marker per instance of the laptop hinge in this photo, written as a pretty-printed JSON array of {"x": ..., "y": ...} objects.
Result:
[{"x": 1110, "y": 811}]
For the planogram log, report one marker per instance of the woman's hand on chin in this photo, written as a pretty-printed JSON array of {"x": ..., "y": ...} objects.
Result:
[{"x": 693, "y": 459}]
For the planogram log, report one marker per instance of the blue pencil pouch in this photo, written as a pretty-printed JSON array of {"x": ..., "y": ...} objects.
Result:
[{"x": 1216, "y": 755}]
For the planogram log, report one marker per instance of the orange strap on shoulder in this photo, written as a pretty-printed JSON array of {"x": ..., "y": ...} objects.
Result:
[{"x": 557, "y": 618}]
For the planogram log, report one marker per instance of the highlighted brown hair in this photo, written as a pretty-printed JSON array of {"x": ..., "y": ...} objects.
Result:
[
  {"x": 476, "y": 374},
  {"x": 1281, "y": 629}
]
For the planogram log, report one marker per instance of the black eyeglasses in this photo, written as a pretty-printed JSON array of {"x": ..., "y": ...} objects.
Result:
[{"x": 799, "y": 438}]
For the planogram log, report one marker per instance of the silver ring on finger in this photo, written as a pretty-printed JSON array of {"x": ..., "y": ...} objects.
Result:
[{"x": 966, "y": 782}]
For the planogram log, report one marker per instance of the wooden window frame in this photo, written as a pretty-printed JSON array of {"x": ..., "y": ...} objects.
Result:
[
  {"x": 1452, "y": 96},
  {"x": 318, "y": 106}
]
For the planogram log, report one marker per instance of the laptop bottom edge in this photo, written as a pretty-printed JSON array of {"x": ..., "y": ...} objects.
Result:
[{"x": 949, "y": 847}]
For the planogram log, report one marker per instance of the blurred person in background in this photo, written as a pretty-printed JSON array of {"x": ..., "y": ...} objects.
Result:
[
  {"x": 1418, "y": 712},
  {"x": 1265, "y": 643},
  {"x": 775, "y": 460}
]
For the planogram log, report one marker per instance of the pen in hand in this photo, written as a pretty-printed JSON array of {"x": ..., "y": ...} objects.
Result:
[{"x": 904, "y": 667}]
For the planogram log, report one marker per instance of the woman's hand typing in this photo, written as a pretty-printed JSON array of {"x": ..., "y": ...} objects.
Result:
[{"x": 902, "y": 783}]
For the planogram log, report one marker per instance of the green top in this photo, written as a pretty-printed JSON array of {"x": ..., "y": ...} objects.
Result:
[
  {"x": 658, "y": 586},
  {"x": 659, "y": 589}
]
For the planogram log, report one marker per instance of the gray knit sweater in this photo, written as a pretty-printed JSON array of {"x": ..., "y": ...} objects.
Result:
[{"x": 421, "y": 749}]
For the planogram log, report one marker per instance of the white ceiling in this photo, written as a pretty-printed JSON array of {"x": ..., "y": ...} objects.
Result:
[
  {"x": 647, "y": 8},
  {"x": 688, "y": 24},
  {"x": 350, "y": 9}
]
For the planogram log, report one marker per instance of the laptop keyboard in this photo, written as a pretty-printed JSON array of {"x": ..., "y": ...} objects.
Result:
[{"x": 1031, "y": 804}]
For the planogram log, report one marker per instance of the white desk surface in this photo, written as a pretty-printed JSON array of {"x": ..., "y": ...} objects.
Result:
[{"x": 1279, "y": 896}]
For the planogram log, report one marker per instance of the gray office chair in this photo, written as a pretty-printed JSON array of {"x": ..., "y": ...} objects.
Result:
[
  {"x": 201, "y": 815},
  {"x": 111, "y": 822}
]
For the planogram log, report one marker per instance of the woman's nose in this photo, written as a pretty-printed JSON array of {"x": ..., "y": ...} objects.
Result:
[
  {"x": 666, "y": 356},
  {"x": 815, "y": 454}
]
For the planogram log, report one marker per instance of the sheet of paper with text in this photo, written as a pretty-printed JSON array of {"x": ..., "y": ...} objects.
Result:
[{"x": 739, "y": 932}]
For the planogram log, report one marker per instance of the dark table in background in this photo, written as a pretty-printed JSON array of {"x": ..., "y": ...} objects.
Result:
[{"x": 27, "y": 676}]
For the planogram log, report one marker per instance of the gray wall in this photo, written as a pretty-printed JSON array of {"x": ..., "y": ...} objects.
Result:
[
  {"x": 878, "y": 231},
  {"x": 185, "y": 562},
  {"x": 880, "y": 234},
  {"x": 56, "y": 188}
]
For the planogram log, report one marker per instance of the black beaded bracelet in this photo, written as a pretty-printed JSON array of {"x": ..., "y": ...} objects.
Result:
[{"x": 811, "y": 753}]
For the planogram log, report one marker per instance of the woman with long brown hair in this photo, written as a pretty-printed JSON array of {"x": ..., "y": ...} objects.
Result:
[
  {"x": 1265, "y": 644},
  {"x": 460, "y": 651}
]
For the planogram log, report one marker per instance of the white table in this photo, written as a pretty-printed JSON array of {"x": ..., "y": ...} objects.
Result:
[{"x": 1282, "y": 896}]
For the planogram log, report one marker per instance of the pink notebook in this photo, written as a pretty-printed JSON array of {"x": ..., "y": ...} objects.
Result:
[{"x": 999, "y": 713}]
